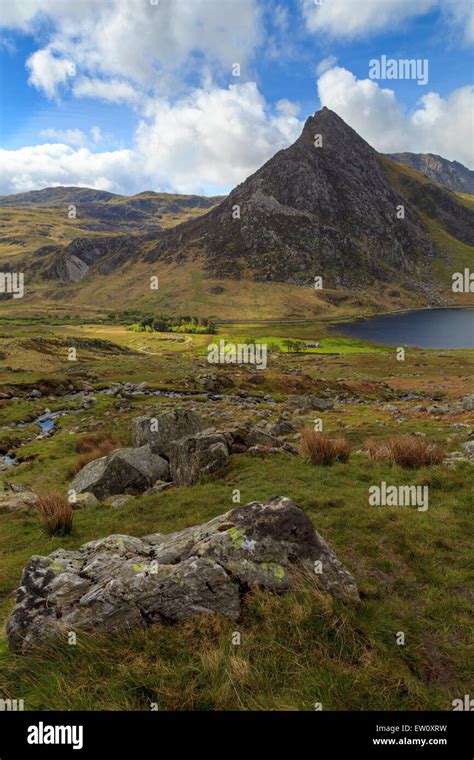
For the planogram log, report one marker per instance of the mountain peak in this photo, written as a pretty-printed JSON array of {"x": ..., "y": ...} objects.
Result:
[{"x": 335, "y": 132}]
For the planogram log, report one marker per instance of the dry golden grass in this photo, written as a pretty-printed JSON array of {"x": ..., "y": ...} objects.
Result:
[
  {"x": 55, "y": 513},
  {"x": 95, "y": 446},
  {"x": 405, "y": 450},
  {"x": 321, "y": 449}
]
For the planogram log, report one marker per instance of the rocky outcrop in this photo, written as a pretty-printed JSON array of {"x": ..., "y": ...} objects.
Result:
[
  {"x": 247, "y": 437},
  {"x": 314, "y": 403},
  {"x": 172, "y": 446},
  {"x": 161, "y": 431},
  {"x": 120, "y": 583},
  {"x": 198, "y": 455},
  {"x": 451, "y": 174},
  {"x": 11, "y": 501},
  {"x": 214, "y": 384},
  {"x": 123, "y": 471}
]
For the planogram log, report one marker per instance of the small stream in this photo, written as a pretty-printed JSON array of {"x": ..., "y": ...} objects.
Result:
[
  {"x": 47, "y": 420},
  {"x": 6, "y": 462}
]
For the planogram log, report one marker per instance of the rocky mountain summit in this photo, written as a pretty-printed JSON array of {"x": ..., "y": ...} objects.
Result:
[
  {"x": 326, "y": 206},
  {"x": 451, "y": 174},
  {"x": 329, "y": 207},
  {"x": 119, "y": 583}
]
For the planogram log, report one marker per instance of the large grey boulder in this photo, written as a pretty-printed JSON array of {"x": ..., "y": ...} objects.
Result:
[
  {"x": 160, "y": 431},
  {"x": 315, "y": 403},
  {"x": 247, "y": 437},
  {"x": 197, "y": 455},
  {"x": 123, "y": 471},
  {"x": 120, "y": 582}
]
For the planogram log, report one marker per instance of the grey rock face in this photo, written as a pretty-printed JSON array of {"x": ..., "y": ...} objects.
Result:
[
  {"x": 212, "y": 383},
  {"x": 197, "y": 455},
  {"x": 119, "y": 582},
  {"x": 253, "y": 436},
  {"x": 160, "y": 431},
  {"x": 451, "y": 174},
  {"x": 282, "y": 427},
  {"x": 123, "y": 471},
  {"x": 469, "y": 448},
  {"x": 468, "y": 403},
  {"x": 11, "y": 501},
  {"x": 318, "y": 404}
]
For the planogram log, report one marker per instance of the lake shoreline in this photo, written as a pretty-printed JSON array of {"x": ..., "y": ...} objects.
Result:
[{"x": 413, "y": 328}]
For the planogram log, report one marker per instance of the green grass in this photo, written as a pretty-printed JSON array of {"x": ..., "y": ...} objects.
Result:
[
  {"x": 412, "y": 569},
  {"x": 329, "y": 345}
]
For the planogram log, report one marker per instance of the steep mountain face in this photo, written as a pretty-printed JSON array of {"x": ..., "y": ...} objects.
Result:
[
  {"x": 73, "y": 262},
  {"x": 451, "y": 174},
  {"x": 326, "y": 206}
]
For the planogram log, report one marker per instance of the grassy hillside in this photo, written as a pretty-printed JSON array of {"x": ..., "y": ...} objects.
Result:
[{"x": 412, "y": 568}]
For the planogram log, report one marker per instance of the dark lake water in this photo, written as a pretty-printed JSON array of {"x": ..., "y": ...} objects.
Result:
[{"x": 426, "y": 328}]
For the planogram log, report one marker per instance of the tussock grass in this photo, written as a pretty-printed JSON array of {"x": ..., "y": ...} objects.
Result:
[
  {"x": 322, "y": 449},
  {"x": 93, "y": 446},
  {"x": 55, "y": 513},
  {"x": 405, "y": 450}
]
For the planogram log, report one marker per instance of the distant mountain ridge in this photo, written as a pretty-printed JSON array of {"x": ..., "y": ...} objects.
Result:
[
  {"x": 112, "y": 212},
  {"x": 451, "y": 174}
]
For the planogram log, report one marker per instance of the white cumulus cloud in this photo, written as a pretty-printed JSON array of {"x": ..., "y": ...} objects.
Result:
[
  {"x": 48, "y": 72},
  {"x": 437, "y": 125},
  {"x": 135, "y": 41},
  {"x": 355, "y": 18},
  {"x": 55, "y": 164},
  {"x": 213, "y": 138}
]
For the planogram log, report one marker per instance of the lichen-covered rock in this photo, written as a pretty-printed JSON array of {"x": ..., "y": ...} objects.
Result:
[
  {"x": 11, "y": 501},
  {"x": 120, "y": 582},
  {"x": 198, "y": 455},
  {"x": 215, "y": 383},
  {"x": 123, "y": 471},
  {"x": 161, "y": 431},
  {"x": 281, "y": 428},
  {"x": 85, "y": 499}
]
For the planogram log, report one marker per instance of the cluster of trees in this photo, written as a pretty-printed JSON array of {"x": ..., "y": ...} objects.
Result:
[
  {"x": 294, "y": 346},
  {"x": 162, "y": 322},
  {"x": 176, "y": 324}
]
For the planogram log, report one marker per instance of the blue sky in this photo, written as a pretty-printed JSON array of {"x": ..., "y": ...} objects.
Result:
[{"x": 128, "y": 95}]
